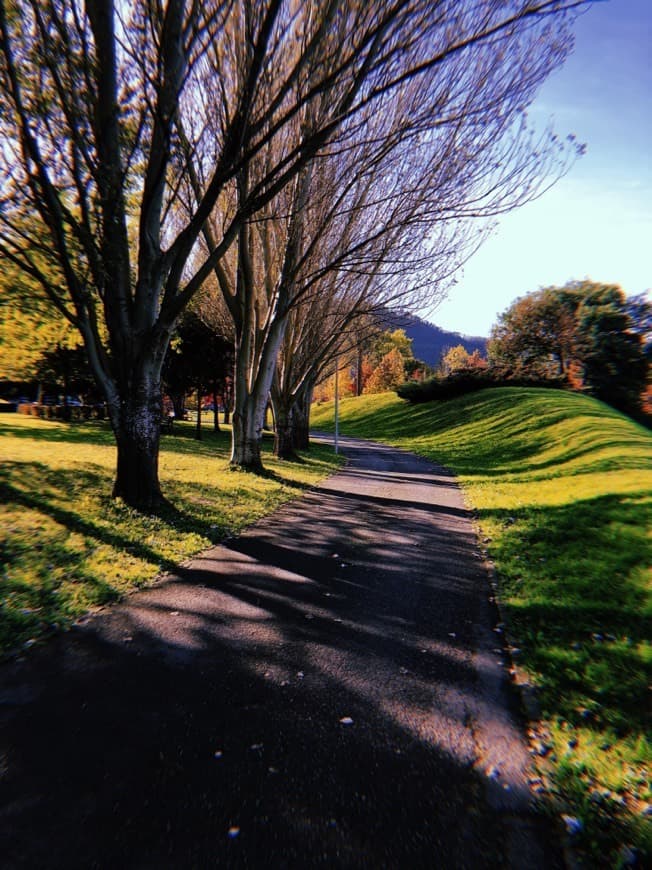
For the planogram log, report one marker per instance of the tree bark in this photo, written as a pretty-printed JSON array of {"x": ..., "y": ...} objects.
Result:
[
  {"x": 247, "y": 434},
  {"x": 216, "y": 419},
  {"x": 301, "y": 418},
  {"x": 179, "y": 405},
  {"x": 136, "y": 423},
  {"x": 283, "y": 440},
  {"x": 198, "y": 426},
  {"x": 300, "y": 429},
  {"x": 252, "y": 385}
]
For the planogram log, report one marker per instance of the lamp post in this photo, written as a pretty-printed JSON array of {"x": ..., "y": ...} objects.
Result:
[{"x": 337, "y": 403}]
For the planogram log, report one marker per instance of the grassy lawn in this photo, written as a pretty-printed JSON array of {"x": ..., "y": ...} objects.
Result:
[
  {"x": 562, "y": 487},
  {"x": 66, "y": 546}
]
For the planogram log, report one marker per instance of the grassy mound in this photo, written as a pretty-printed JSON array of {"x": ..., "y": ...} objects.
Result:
[
  {"x": 562, "y": 486},
  {"x": 66, "y": 546}
]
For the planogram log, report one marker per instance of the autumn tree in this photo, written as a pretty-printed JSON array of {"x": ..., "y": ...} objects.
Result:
[
  {"x": 584, "y": 331},
  {"x": 29, "y": 326},
  {"x": 537, "y": 333},
  {"x": 454, "y": 359},
  {"x": 105, "y": 118},
  {"x": 388, "y": 340},
  {"x": 388, "y": 374}
]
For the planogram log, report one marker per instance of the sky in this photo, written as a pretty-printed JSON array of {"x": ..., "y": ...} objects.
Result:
[{"x": 596, "y": 222}]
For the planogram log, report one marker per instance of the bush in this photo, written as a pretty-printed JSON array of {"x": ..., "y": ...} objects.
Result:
[{"x": 469, "y": 380}]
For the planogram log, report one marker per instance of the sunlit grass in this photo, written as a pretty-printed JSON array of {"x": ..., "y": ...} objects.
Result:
[
  {"x": 66, "y": 546},
  {"x": 562, "y": 487}
]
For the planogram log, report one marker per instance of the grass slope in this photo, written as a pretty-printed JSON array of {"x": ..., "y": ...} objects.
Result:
[
  {"x": 562, "y": 486},
  {"x": 66, "y": 546}
]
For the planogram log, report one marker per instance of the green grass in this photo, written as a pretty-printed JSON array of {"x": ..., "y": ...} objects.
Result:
[
  {"x": 66, "y": 546},
  {"x": 562, "y": 487}
]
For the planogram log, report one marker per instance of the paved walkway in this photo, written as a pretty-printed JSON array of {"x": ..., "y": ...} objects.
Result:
[{"x": 324, "y": 691}]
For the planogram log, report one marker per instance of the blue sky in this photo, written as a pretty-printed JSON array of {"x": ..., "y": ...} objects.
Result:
[{"x": 596, "y": 222}]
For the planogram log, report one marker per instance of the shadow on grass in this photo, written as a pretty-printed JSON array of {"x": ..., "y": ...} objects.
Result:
[
  {"x": 180, "y": 440},
  {"x": 574, "y": 585},
  {"x": 89, "y": 432},
  {"x": 32, "y": 499},
  {"x": 50, "y": 546},
  {"x": 58, "y": 521},
  {"x": 506, "y": 431}
]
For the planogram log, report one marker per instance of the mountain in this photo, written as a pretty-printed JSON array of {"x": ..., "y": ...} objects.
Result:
[{"x": 429, "y": 342}]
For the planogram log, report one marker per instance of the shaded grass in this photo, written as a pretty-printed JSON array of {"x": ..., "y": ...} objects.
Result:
[
  {"x": 66, "y": 546},
  {"x": 562, "y": 487}
]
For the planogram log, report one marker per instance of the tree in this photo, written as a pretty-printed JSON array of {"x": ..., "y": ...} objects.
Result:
[
  {"x": 67, "y": 367},
  {"x": 388, "y": 374},
  {"x": 321, "y": 334},
  {"x": 200, "y": 360},
  {"x": 105, "y": 112},
  {"x": 639, "y": 309},
  {"x": 29, "y": 327},
  {"x": 610, "y": 351},
  {"x": 583, "y": 331},
  {"x": 455, "y": 358},
  {"x": 405, "y": 151},
  {"x": 537, "y": 333},
  {"x": 389, "y": 340}
]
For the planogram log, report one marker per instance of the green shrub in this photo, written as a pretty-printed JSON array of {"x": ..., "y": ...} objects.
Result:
[{"x": 465, "y": 381}]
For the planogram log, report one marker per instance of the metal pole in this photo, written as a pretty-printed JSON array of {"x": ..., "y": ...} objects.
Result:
[{"x": 337, "y": 403}]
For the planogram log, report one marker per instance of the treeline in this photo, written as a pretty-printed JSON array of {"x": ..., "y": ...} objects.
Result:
[{"x": 584, "y": 336}]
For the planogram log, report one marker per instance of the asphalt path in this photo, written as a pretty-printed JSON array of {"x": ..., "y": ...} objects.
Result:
[{"x": 326, "y": 690}]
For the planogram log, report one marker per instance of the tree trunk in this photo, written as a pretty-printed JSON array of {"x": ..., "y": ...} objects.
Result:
[
  {"x": 251, "y": 389},
  {"x": 179, "y": 405},
  {"x": 216, "y": 419},
  {"x": 300, "y": 430},
  {"x": 301, "y": 420},
  {"x": 136, "y": 422},
  {"x": 283, "y": 440},
  {"x": 198, "y": 426},
  {"x": 247, "y": 434}
]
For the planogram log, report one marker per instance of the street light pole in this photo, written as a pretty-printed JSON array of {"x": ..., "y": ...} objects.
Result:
[{"x": 337, "y": 403}]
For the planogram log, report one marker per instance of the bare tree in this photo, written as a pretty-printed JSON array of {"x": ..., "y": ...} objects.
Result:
[
  {"x": 107, "y": 106},
  {"x": 384, "y": 211}
]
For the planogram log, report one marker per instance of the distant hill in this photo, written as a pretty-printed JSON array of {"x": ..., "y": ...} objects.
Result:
[{"x": 429, "y": 341}]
